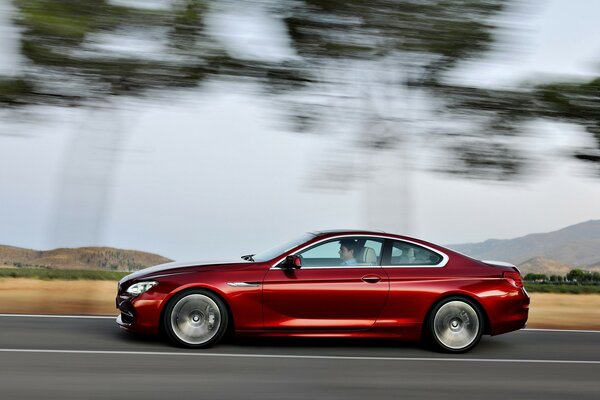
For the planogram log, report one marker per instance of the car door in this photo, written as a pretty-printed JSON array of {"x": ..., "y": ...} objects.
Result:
[
  {"x": 416, "y": 275},
  {"x": 324, "y": 294}
]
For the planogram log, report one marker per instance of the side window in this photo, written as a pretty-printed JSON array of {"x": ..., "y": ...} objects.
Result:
[
  {"x": 404, "y": 253},
  {"x": 350, "y": 251},
  {"x": 327, "y": 252}
]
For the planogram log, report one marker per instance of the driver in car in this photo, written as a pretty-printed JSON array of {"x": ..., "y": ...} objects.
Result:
[{"x": 347, "y": 252}]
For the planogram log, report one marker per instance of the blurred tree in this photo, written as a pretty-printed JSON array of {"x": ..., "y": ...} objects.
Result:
[
  {"x": 380, "y": 69},
  {"x": 81, "y": 52},
  {"x": 572, "y": 102},
  {"x": 577, "y": 103},
  {"x": 576, "y": 275},
  {"x": 87, "y": 54},
  {"x": 381, "y": 66},
  {"x": 532, "y": 277},
  {"x": 72, "y": 59}
]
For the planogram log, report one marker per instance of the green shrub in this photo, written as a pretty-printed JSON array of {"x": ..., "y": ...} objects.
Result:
[
  {"x": 561, "y": 288},
  {"x": 62, "y": 274}
]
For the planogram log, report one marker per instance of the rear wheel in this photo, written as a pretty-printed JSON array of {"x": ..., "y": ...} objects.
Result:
[
  {"x": 455, "y": 325},
  {"x": 195, "y": 318}
]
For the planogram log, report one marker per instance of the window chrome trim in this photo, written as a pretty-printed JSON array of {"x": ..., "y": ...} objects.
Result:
[
  {"x": 441, "y": 264},
  {"x": 331, "y": 267}
]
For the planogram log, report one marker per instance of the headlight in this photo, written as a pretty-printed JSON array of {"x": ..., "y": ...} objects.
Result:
[{"x": 141, "y": 287}]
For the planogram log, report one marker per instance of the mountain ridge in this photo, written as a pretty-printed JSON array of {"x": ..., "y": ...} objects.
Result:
[
  {"x": 103, "y": 258},
  {"x": 574, "y": 246}
]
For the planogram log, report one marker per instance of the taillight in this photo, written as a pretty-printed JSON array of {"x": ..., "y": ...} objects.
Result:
[{"x": 514, "y": 278}]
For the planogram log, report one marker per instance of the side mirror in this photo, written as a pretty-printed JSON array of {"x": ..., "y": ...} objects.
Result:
[{"x": 293, "y": 262}]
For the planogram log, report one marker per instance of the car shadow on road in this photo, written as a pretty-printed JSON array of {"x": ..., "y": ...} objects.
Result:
[
  {"x": 488, "y": 346},
  {"x": 322, "y": 343}
]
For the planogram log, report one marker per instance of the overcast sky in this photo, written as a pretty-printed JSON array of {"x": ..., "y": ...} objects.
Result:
[{"x": 211, "y": 174}]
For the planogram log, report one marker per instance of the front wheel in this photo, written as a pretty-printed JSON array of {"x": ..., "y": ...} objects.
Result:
[
  {"x": 455, "y": 325},
  {"x": 195, "y": 318}
]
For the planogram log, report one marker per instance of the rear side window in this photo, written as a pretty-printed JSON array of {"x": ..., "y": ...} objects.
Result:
[{"x": 404, "y": 253}]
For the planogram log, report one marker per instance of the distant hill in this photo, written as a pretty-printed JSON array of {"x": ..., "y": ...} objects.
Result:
[
  {"x": 595, "y": 267},
  {"x": 542, "y": 265},
  {"x": 576, "y": 246},
  {"x": 105, "y": 258},
  {"x": 547, "y": 266}
]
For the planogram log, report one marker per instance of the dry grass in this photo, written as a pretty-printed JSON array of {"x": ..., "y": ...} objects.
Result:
[
  {"x": 564, "y": 311},
  {"x": 32, "y": 296}
]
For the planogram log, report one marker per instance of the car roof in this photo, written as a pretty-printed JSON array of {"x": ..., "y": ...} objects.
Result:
[
  {"x": 333, "y": 232},
  {"x": 346, "y": 231}
]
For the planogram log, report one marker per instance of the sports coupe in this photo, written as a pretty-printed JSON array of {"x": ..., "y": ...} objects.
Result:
[{"x": 330, "y": 284}]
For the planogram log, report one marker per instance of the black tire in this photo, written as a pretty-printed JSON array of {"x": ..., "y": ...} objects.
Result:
[
  {"x": 195, "y": 318},
  {"x": 454, "y": 325}
]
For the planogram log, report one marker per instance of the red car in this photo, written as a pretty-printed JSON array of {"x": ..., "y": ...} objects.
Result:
[{"x": 330, "y": 284}]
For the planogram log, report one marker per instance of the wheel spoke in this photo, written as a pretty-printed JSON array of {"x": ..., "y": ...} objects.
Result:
[
  {"x": 456, "y": 325},
  {"x": 195, "y": 319}
]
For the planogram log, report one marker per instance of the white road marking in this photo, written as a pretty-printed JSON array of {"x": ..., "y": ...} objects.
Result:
[
  {"x": 283, "y": 356},
  {"x": 58, "y": 316},
  {"x": 560, "y": 330}
]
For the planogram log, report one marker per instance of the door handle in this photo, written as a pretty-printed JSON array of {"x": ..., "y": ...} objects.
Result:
[{"x": 371, "y": 278}]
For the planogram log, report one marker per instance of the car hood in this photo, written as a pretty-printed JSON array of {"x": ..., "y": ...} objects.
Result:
[{"x": 174, "y": 267}]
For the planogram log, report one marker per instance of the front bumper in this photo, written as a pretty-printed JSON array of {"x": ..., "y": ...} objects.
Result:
[
  {"x": 140, "y": 314},
  {"x": 122, "y": 324}
]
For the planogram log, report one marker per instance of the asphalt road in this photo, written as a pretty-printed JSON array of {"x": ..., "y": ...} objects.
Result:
[{"x": 91, "y": 358}]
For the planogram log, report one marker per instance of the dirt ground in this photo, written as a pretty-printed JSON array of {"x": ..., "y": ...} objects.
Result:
[
  {"x": 564, "y": 311},
  {"x": 31, "y": 296}
]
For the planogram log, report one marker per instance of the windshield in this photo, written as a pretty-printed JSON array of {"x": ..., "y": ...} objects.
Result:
[{"x": 278, "y": 250}]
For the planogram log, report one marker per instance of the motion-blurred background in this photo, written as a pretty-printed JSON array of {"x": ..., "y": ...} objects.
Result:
[
  {"x": 204, "y": 129},
  {"x": 135, "y": 132}
]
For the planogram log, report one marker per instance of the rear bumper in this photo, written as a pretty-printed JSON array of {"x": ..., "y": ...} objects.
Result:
[{"x": 510, "y": 313}]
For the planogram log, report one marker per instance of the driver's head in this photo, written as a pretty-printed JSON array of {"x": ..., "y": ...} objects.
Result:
[{"x": 347, "y": 249}]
